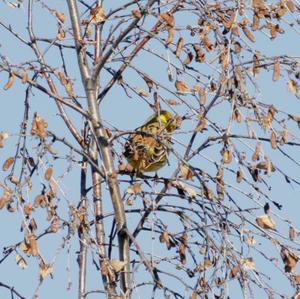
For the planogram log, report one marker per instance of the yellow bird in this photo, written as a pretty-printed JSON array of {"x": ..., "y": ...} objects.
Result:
[{"x": 147, "y": 149}]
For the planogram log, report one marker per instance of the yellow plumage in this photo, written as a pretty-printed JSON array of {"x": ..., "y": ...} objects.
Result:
[{"x": 147, "y": 149}]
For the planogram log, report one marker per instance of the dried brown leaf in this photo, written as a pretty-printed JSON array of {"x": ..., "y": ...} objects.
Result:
[
  {"x": 179, "y": 46},
  {"x": 292, "y": 87},
  {"x": 256, "y": 154},
  {"x": 284, "y": 136},
  {"x": 48, "y": 174},
  {"x": 237, "y": 47},
  {"x": 60, "y": 16},
  {"x": 149, "y": 83},
  {"x": 234, "y": 271},
  {"x": 38, "y": 126},
  {"x": 33, "y": 249},
  {"x": 10, "y": 81},
  {"x": 255, "y": 22},
  {"x": 45, "y": 270},
  {"x": 181, "y": 86},
  {"x": 290, "y": 5},
  {"x": 168, "y": 18},
  {"x": 186, "y": 172},
  {"x": 54, "y": 225},
  {"x": 200, "y": 55},
  {"x": 170, "y": 36},
  {"x": 227, "y": 156},
  {"x": 134, "y": 189},
  {"x": 21, "y": 261},
  {"x": 8, "y": 163},
  {"x": 249, "y": 34},
  {"x": 201, "y": 124},
  {"x": 25, "y": 77},
  {"x": 239, "y": 175},
  {"x": 265, "y": 221},
  {"x": 136, "y": 13},
  {"x": 97, "y": 15},
  {"x": 292, "y": 233},
  {"x": 188, "y": 58},
  {"x": 27, "y": 209},
  {"x": 276, "y": 71},
  {"x": 273, "y": 140}
]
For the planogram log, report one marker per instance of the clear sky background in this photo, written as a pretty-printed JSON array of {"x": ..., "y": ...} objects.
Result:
[{"x": 122, "y": 112}]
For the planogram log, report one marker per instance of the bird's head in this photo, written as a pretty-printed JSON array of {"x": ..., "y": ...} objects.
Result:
[{"x": 165, "y": 118}]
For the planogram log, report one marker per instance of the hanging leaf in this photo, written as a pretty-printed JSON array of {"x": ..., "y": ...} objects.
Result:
[
  {"x": 60, "y": 16},
  {"x": 290, "y": 5},
  {"x": 289, "y": 259},
  {"x": 276, "y": 71},
  {"x": 25, "y": 77},
  {"x": 8, "y": 163},
  {"x": 292, "y": 87},
  {"x": 136, "y": 13},
  {"x": 149, "y": 82},
  {"x": 181, "y": 86},
  {"x": 143, "y": 93},
  {"x": 188, "y": 58},
  {"x": 200, "y": 55},
  {"x": 54, "y": 225},
  {"x": 202, "y": 96},
  {"x": 273, "y": 140},
  {"x": 134, "y": 189},
  {"x": 186, "y": 172},
  {"x": 21, "y": 261},
  {"x": 97, "y": 15},
  {"x": 227, "y": 156},
  {"x": 170, "y": 36},
  {"x": 179, "y": 46},
  {"x": 10, "y": 81},
  {"x": 38, "y": 126},
  {"x": 249, "y": 34},
  {"x": 256, "y": 65},
  {"x": 239, "y": 175},
  {"x": 168, "y": 18},
  {"x": 45, "y": 270},
  {"x": 48, "y": 174},
  {"x": 292, "y": 233},
  {"x": 201, "y": 124},
  {"x": 265, "y": 221},
  {"x": 237, "y": 48},
  {"x": 255, "y": 22},
  {"x": 27, "y": 209}
]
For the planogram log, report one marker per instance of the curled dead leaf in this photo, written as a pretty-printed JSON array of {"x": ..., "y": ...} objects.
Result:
[
  {"x": 292, "y": 87},
  {"x": 273, "y": 140},
  {"x": 10, "y": 81},
  {"x": 97, "y": 15},
  {"x": 179, "y": 46},
  {"x": 181, "y": 86},
  {"x": 265, "y": 221},
  {"x": 39, "y": 126},
  {"x": 48, "y": 174},
  {"x": 45, "y": 270},
  {"x": 8, "y": 163},
  {"x": 21, "y": 261},
  {"x": 186, "y": 172},
  {"x": 60, "y": 16},
  {"x": 292, "y": 233}
]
